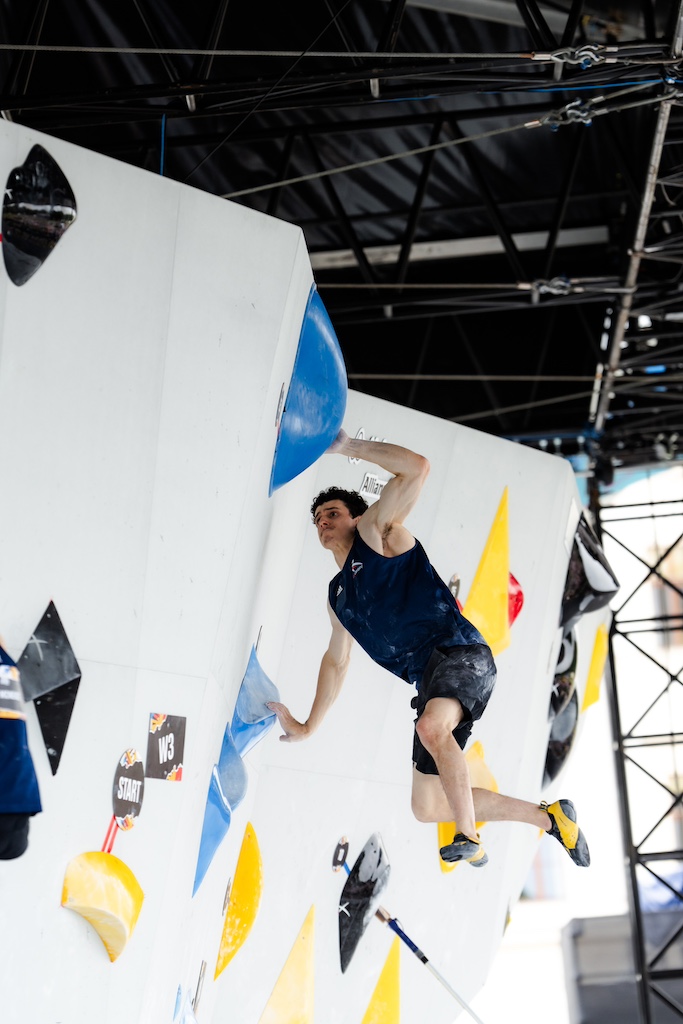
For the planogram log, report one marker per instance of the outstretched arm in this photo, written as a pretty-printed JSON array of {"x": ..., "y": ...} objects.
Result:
[
  {"x": 398, "y": 496},
  {"x": 333, "y": 669}
]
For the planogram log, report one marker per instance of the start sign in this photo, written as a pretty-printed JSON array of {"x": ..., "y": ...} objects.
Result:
[{"x": 129, "y": 789}]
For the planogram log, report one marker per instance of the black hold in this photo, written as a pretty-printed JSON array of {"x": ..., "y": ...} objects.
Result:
[
  {"x": 590, "y": 583},
  {"x": 47, "y": 661},
  {"x": 564, "y": 682},
  {"x": 50, "y": 677},
  {"x": 38, "y": 207},
  {"x": 360, "y": 896},
  {"x": 562, "y": 736},
  {"x": 54, "y": 712}
]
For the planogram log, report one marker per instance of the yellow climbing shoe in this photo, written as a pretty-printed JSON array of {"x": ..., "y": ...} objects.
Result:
[
  {"x": 464, "y": 848},
  {"x": 562, "y": 815}
]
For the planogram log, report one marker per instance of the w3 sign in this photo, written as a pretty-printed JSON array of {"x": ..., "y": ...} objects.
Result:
[{"x": 165, "y": 747}]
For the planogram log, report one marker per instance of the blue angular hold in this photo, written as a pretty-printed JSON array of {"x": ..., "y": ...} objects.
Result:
[
  {"x": 232, "y": 774},
  {"x": 316, "y": 401},
  {"x": 184, "y": 1008},
  {"x": 226, "y": 791},
  {"x": 252, "y": 719},
  {"x": 217, "y": 815}
]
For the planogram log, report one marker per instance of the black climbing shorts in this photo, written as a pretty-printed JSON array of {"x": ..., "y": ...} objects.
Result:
[
  {"x": 13, "y": 835},
  {"x": 467, "y": 673}
]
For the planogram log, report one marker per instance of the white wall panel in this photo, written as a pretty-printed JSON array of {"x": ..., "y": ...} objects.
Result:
[
  {"x": 353, "y": 776},
  {"x": 140, "y": 374}
]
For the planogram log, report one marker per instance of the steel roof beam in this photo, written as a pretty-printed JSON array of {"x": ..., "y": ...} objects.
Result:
[
  {"x": 424, "y": 346},
  {"x": 15, "y": 81},
  {"x": 541, "y": 35},
  {"x": 274, "y": 197},
  {"x": 573, "y": 19},
  {"x": 630, "y": 280},
  {"x": 346, "y": 225},
  {"x": 563, "y": 200},
  {"x": 350, "y": 125},
  {"x": 204, "y": 64},
  {"x": 545, "y": 344},
  {"x": 166, "y": 62},
  {"x": 418, "y": 199},
  {"x": 631, "y": 277},
  {"x": 489, "y": 391},
  {"x": 491, "y": 205}
]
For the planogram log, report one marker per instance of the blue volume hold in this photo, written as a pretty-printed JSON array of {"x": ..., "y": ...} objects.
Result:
[
  {"x": 252, "y": 719},
  {"x": 217, "y": 815},
  {"x": 316, "y": 401},
  {"x": 231, "y": 772},
  {"x": 226, "y": 791}
]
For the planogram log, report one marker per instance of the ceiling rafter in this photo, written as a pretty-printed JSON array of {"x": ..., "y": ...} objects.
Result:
[{"x": 238, "y": 104}]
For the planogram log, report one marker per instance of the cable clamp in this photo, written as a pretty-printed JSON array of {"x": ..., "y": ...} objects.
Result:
[
  {"x": 571, "y": 113},
  {"x": 585, "y": 56},
  {"x": 555, "y": 286}
]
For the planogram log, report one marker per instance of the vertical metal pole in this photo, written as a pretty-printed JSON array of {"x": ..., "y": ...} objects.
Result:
[{"x": 637, "y": 935}]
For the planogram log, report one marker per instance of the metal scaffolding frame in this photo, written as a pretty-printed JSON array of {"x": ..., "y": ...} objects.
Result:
[
  {"x": 658, "y": 963},
  {"x": 436, "y": 255}
]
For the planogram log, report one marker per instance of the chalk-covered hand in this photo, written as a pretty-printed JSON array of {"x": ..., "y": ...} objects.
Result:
[
  {"x": 338, "y": 443},
  {"x": 293, "y": 731}
]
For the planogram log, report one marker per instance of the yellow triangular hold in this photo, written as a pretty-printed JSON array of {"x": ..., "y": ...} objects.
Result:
[
  {"x": 487, "y": 602},
  {"x": 103, "y": 890},
  {"x": 385, "y": 1005},
  {"x": 245, "y": 897},
  {"x": 597, "y": 666},
  {"x": 481, "y": 777},
  {"x": 291, "y": 1001}
]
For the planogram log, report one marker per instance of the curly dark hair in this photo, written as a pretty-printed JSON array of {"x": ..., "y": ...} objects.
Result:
[{"x": 352, "y": 499}]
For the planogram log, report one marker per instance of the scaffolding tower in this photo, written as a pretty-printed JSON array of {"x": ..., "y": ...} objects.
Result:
[{"x": 644, "y": 680}]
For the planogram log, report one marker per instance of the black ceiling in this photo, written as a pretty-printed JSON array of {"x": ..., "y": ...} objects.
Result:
[{"x": 505, "y": 249}]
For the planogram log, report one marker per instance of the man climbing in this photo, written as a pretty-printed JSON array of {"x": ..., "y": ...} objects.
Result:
[{"x": 389, "y": 598}]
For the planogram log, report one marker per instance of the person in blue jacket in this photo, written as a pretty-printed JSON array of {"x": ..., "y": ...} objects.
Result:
[
  {"x": 19, "y": 794},
  {"x": 390, "y": 599}
]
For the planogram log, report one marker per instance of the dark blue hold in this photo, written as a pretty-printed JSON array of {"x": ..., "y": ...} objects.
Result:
[{"x": 316, "y": 401}]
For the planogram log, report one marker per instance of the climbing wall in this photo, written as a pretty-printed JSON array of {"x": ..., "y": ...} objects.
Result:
[
  {"x": 147, "y": 381},
  {"x": 502, "y": 519},
  {"x": 169, "y": 382}
]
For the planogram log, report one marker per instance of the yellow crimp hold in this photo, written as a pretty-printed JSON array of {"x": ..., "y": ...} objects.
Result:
[
  {"x": 245, "y": 897},
  {"x": 292, "y": 999},
  {"x": 103, "y": 890},
  {"x": 597, "y": 666},
  {"x": 385, "y": 1005},
  {"x": 487, "y": 602}
]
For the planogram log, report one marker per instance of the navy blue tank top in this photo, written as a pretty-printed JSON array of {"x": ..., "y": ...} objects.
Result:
[{"x": 398, "y": 609}]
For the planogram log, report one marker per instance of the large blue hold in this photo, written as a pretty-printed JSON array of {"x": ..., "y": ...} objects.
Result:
[
  {"x": 316, "y": 401},
  {"x": 226, "y": 791},
  {"x": 252, "y": 719},
  {"x": 228, "y": 786}
]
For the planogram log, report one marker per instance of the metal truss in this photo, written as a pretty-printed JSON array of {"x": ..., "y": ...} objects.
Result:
[
  {"x": 387, "y": 151},
  {"x": 646, "y": 703}
]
